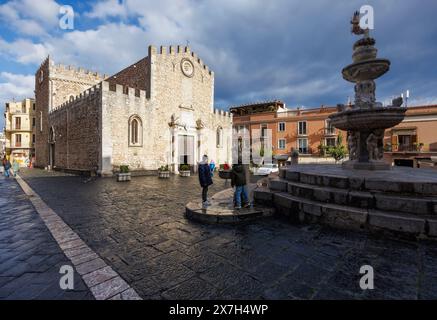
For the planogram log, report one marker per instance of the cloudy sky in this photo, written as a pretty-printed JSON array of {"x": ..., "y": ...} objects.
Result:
[{"x": 278, "y": 49}]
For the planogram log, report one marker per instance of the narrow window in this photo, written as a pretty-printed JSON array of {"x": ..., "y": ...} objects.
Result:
[
  {"x": 281, "y": 144},
  {"x": 17, "y": 123},
  {"x": 281, "y": 126},
  {"x": 219, "y": 137},
  {"x": 302, "y": 128},
  {"x": 135, "y": 131},
  {"x": 18, "y": 140}
]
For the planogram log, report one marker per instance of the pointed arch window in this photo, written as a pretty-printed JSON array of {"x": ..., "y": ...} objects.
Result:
[{"x": 135, "y": 131}]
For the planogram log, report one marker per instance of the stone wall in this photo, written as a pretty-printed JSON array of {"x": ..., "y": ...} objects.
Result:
[
  {"x": 42, "y": 98},
  {"x": 117, "y": 107},
  {"x": 77, "y": 132},
  {"x": 136, "y": 76},
  {"x": 55, "y": 85}
]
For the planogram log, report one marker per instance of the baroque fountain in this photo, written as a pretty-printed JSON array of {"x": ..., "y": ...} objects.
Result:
[
  {"x": 366, "y": 120},
  {"x": 363, "y": 192}
]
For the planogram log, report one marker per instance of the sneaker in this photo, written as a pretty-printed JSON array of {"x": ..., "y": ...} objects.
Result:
[
  {"x": 246, "y": 205},
  {"x": 205, "y": 205},
  {"x": 208, "y": 202},
  {"x": 237, "y": 207}
]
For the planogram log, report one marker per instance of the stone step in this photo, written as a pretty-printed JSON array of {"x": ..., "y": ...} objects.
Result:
[
  {"x": 221, "y": 213},
  {"x": 397, "y": 180},
  {"x": 361, "y": 199},
  {"x": 306, "y": 210}
]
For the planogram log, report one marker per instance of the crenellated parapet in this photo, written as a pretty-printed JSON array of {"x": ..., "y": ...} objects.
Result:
[
  {"x": 121, "y": 90},
  {"x": 222, "y": 114},
  {"x": 76, "y": 72},
  {"x": 182, "y": 51},
  {"x": 88, "y": 94}
]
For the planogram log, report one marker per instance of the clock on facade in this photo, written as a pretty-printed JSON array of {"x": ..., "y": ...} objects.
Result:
[{"x": 187, "y": 67}]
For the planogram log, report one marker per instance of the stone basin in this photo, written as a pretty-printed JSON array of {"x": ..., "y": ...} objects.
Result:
[
  {"x": 368, "y": 119},
  {"x": 366, "y": 70}
]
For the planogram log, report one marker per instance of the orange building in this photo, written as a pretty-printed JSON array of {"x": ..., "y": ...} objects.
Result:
[
  {"x": 303, "y": 130},
  {"x": 413, "y": 142}
]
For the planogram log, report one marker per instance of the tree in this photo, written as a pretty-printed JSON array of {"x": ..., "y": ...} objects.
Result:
[{"x": 338, "y": 152}]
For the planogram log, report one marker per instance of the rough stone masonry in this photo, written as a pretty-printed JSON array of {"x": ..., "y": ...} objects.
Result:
[{"x": 158, "y": 111}]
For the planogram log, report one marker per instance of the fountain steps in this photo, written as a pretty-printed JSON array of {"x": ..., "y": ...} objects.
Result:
[
  {"x": 380, "y": 182},
  {"x": 340, "y": 199},
  {"x": 359, "y": 199}
]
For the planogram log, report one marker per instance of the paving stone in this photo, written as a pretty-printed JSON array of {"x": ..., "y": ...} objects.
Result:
[
  {"x": 188, "y": 251},
  {"x": 98, "y": 276},
  {"x": 109, "y": 288}
]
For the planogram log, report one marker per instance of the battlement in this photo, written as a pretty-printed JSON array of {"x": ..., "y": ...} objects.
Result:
[
  {"x": 222, "y": 113},
  {"x": 87, "y": 94},
  {"x": 76, "y": 71},
  {"x": 123, "y": 90},
  {"x": 175, "y": 50}
]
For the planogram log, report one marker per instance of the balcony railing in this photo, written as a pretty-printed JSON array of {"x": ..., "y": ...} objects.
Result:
[
  {"x": 404, "y": 148},
  {"x": 330, "y": 132}
]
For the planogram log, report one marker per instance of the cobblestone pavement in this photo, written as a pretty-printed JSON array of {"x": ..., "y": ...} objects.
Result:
[
  {"x": 30, "y": 258},
  {"x": 139, "y": 229}
]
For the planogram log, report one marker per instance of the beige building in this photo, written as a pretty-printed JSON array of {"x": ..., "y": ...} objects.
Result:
[
  {"x": 158, "y": 111},
  {"x": 20, "y": 123}
]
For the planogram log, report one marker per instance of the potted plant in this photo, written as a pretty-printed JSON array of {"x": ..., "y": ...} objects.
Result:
[
  {"x": 184, "y": 170},
  {"x": 163, "y": 172},
  {"x": 418, "y": 146},
  {"x": 124, "y": 174},
  {"x": 225, "y": 171}
]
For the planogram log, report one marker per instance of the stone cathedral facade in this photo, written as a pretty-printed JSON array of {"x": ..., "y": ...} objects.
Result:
[{"x": 158, "y": 111}]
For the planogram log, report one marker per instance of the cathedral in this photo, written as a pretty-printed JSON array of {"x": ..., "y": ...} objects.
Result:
[{"x": 158, "y": 111}]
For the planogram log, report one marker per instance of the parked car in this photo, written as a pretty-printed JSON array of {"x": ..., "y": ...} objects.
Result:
[{"x": 266, "y": 169}]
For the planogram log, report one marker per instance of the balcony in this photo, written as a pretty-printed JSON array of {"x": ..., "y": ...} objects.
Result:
[
  {"x": 18, "y": 128},
  {"x": 330, "y": 132},
  {"x": 404, "y": 148}
]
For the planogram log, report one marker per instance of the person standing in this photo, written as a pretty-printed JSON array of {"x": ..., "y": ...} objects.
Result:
[
  {"x": 212, "y": 167},
  {"x": 205, "y": 180},
  {"x": 238, "y": 180}
]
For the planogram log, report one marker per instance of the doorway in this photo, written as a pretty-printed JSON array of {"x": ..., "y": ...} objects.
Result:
[{"x": 186, "y": 149}]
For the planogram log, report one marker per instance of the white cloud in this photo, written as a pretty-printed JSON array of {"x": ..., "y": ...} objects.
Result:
[
  {"x": 108, "y": 8},
  {"x": 30, "y": 17},
  {"x": 23, "y": 51}
]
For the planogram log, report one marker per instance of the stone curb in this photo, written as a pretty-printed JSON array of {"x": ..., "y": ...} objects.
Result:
[{"x": 103, "y": 282}]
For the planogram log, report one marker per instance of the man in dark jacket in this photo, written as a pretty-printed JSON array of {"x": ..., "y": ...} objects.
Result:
[
  {"x": 205, "y": 179},
  {"x": 238, "y": 179}
]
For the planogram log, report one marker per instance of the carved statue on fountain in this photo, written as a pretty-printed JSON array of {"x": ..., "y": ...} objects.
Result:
[{"x": 352, "y": 145}]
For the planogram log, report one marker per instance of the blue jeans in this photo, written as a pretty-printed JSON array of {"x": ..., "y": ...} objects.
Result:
[
  {"x": 241, "y": 191},
  {"x": 7, "y": 173}
]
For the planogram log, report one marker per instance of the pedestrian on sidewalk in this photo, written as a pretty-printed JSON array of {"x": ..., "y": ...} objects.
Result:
[
  {"x": 238, "y": 180},
  {"x": 7, "y": 166},
  {"x": 15, "y": 167},
  {"x": 212, "y": 167},
  {"x": 205, "y": 180}
]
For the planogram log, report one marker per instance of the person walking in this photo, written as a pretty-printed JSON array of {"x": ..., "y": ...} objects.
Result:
[
  {"x": 238, "y": 180},
  {"x": 15, "y": 167},
  {"x": 205, "y": 180},
  {"x": 7, "y": 166}
]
